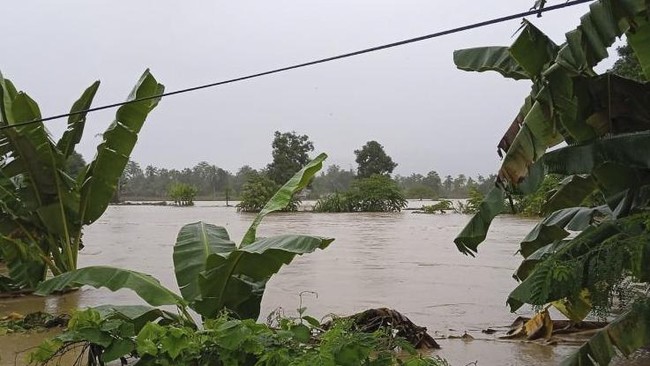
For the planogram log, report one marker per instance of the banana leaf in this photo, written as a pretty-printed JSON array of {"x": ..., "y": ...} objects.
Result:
[
  {"x": 237, "y": 282},
  {"x": 194, "y": 243},
  {"x": 147, "y": 287},
  {"x": 496, "y": 59},
  {"x": 101, "y": 178},
  {"x": 533, "y": 50},
  {"x": 282, "y": 197},
  {"x": 475, "y": 231},
  {"x": 554, "y": 227},
  {"x": 571, "y": 191},
  {"x": 587, "y": 44},
  {"x": 629, "y": 235},
  {"x": 76, "y": 122},
  {"x": 25, "y": 266},
  {"x": 625, "y": 334},
  {"x": 138, "y": 315},
  {"x": 628, "y": 150},
  {"x": 556, "y": 113},
  {"x": 30, "y": 145},
  {"x": 614, "y": 104}
]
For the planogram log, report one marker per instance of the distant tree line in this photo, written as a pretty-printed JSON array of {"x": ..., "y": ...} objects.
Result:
[{"x": 290, "y": 153}]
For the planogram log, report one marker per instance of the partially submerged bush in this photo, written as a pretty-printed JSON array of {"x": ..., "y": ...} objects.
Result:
[
  {"x": 258, "y": 190},
  {"x": 183, "y": 194},
  {"x": 441, "y": 207},
  {"x": 335, "y": 202},
  {"x": 378, "y": 193}
]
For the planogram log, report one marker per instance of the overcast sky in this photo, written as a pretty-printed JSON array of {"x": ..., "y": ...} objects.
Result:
[{"x": 426, "y": 113}]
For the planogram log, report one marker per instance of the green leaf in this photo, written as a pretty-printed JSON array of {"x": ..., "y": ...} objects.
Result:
[
  {"x": 639, "y": 40},
  {"x": 587, "y": 44},
  {"x": 194, "y": 243},
  {"x": 138, "y": 315},
  {"x": 25, "y": 267},
  {"x": 627, "y": 333},
  {"x": 537, "y": 133},
  {"x": 101, "y": 177},
  {"x": 301, "y": 333},
  {"x": 311, "y": 321},
  {"x": 533, "y": 50},
  {"x": 552, "y": 228},
  {"x": 536, "y": 288},
  {"x": 76, "y": 122},
  {"x": 118, "y": 348},
  {"x": 283, "y": 196},
  {"x": 147, "y": 338},
  {"x": 476, "y": 229},
  {"x": 496, "y": 59},
  {"x": 237, "y": 282},
  {"x": 571, "y": 191},
  {"x": 628, "y": 150},
  {"x": 35, "y": 159},
  {"x": 147, "y": 287}
]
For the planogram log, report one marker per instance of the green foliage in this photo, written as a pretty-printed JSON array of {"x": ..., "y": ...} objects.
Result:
[
  {"x": 226, "y": 341},
  {"x": 182, "y": 194},
  {"x": 532, "y": 204},
  {"x": 212, "y": 272},
  {"x": 627, "y": 64},
  {"x": 219, "y": 280},
  {"x": 335, "y": 202},
  {"x": 147, "y": 287},
  {"x": 472, "y": 204},
  {"x": 604, "y": 121},
  {"x": 43, "y": 207},
  {"x": 372, "y": 159},
  {"x": 440, "y": 207},
  {"x": 290, "y": 153},
  {"x": 107, "y": 333},
  {"x": 257, "y": 191},
  {"x": 378, "y": 193},
  {"x": 332, "y": 181}
]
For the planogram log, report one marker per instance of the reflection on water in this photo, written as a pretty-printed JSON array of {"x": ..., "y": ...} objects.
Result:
[{"x": 404, "y": 261}]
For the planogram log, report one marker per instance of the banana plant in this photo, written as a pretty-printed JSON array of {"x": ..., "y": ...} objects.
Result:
[
  {"x": 212, "y": 272},
  {"x": 605, "y": 121},
  {"x": 43, "y": 210}
]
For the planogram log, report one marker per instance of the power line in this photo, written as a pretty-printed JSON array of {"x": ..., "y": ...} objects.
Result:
[{"x": 537, "y": 12}]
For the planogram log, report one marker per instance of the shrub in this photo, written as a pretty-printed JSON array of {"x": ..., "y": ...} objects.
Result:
[{"x": 182, "y": 194}]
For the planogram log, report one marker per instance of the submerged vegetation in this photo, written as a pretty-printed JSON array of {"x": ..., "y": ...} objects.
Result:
[
  {"x": 588, "y": 255},
  {"x": 378, "y": 193},
  {"x": 182, "y": 194},
  {"x": 373, "y": 190},
  {"x": 604, "y": 120},
  {"x": 224, "y": 283},
  {"x": 43, "y": 208}
]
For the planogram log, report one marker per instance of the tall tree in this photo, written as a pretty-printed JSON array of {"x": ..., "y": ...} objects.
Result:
[
  {"x": 290, "y": 154},
  {"x": 372, "y": 159},
  {"x": 333, "y": 180},
  {"x": 433, "y": 181},
  {"x": 627, "y": 64}
]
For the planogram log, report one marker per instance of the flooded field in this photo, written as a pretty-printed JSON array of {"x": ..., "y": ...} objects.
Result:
[{"x": 404, "y": 261}]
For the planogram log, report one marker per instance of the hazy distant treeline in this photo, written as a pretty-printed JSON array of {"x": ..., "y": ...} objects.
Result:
[{"x": 212, "y": 182}]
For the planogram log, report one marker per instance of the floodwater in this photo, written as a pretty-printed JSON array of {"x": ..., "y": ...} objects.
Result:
[{"x": 403, "y": 261}]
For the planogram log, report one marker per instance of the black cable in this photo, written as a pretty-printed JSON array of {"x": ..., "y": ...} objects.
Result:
[{"x": 320, "y": 61}]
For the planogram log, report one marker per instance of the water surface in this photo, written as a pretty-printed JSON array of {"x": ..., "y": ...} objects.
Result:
[{"x": 404, "y": 261}]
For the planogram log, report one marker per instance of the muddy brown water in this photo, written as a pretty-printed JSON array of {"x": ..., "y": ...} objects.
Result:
[{"x": 404, "y": 261}]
